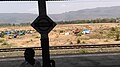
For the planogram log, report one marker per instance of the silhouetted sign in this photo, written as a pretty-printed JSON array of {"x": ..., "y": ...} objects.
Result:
[{"x": 43, "y": 24}]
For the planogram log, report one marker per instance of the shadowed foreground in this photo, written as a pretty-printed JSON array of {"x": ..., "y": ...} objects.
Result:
[{"x": 90, "y": 60}]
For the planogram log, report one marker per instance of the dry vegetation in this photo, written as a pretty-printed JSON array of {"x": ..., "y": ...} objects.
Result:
[{"x": 101, "y": 33}]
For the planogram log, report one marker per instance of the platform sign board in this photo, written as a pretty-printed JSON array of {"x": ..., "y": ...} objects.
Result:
[{"x": 43, "y": 24}]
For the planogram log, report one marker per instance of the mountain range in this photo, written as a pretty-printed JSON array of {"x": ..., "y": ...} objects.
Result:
[
  {"x": 85, "y": 14},
  {"x": 17, "y": 17}
]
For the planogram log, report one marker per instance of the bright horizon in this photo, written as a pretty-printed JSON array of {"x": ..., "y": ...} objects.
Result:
[{"x": 55, "y": 7}]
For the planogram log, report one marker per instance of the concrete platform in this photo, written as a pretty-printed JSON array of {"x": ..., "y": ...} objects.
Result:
[{"x": 89, "y": 60}]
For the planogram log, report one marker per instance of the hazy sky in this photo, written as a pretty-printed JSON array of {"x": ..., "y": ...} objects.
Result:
[{"x": 55, "y": 7}]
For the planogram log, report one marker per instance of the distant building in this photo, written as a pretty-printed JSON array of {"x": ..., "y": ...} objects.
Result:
[
  {"x": 118, "y": 21},
  {"x": 86, "y": 31},
  {"x": 67, "y": 33}
]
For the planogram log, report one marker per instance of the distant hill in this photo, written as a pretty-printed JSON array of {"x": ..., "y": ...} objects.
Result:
[
  {"x": 100, "y": 12},
  {"x": 17, "y": 17}
]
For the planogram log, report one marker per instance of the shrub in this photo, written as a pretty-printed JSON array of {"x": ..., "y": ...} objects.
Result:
[
  {"x": 79, "y": 34},
  {"x": 37, "y": 37},
  {"x": 9, "y": 37},
  {"x": 117, "y": 37},
  {"x": 55, "y": 30},
  {"x": 83, "y": 42},
  {"x": 83, "y": 51},
  {"x": 112, "y": 29},
  {"x": 78, "y": 41},
  {"x": 31, "y": 40},
  {"x": 101, "y": 32},
  {"x": 5, "y": 43},
  {"x": 71, "y": 42},
  {"x": 2, "y": 35},
  {"x": 1, "y": 41},
  {"x": 61, "y": 31},
  {"x": 106, "y": 41}
]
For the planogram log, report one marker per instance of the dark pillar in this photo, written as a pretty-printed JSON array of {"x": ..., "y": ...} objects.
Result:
[
  {"x": 42, "y": 7},
  {"x": 44, "y": 36},
  {"x": 45, "y": 50}
]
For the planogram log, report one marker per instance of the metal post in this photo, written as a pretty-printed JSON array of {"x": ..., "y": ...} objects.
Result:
[
  {"x": 45, "y": 50},
  {"x": 44, "y": 36},
  {"x": 42, "y": 7}
]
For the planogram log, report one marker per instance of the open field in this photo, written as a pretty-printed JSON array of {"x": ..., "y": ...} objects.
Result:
[{"x": 100, "y": 33}]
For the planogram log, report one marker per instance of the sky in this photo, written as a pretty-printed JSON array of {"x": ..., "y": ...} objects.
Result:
[{"x": 54, "y": 7}]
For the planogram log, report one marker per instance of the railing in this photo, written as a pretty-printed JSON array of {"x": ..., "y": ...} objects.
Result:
[{"x": 63, "y": 47}]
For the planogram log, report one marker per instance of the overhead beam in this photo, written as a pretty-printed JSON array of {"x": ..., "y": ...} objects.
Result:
[{"x": 33, "y": 0}]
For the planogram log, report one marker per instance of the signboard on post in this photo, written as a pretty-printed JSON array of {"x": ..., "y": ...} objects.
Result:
[{"x": 43, "y": 24}]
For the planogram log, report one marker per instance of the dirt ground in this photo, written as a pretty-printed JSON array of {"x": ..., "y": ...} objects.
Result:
[{"x": 100, "y": 33}]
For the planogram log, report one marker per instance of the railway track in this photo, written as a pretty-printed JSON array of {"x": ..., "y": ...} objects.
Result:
[{"x": 63, "y": 47}]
